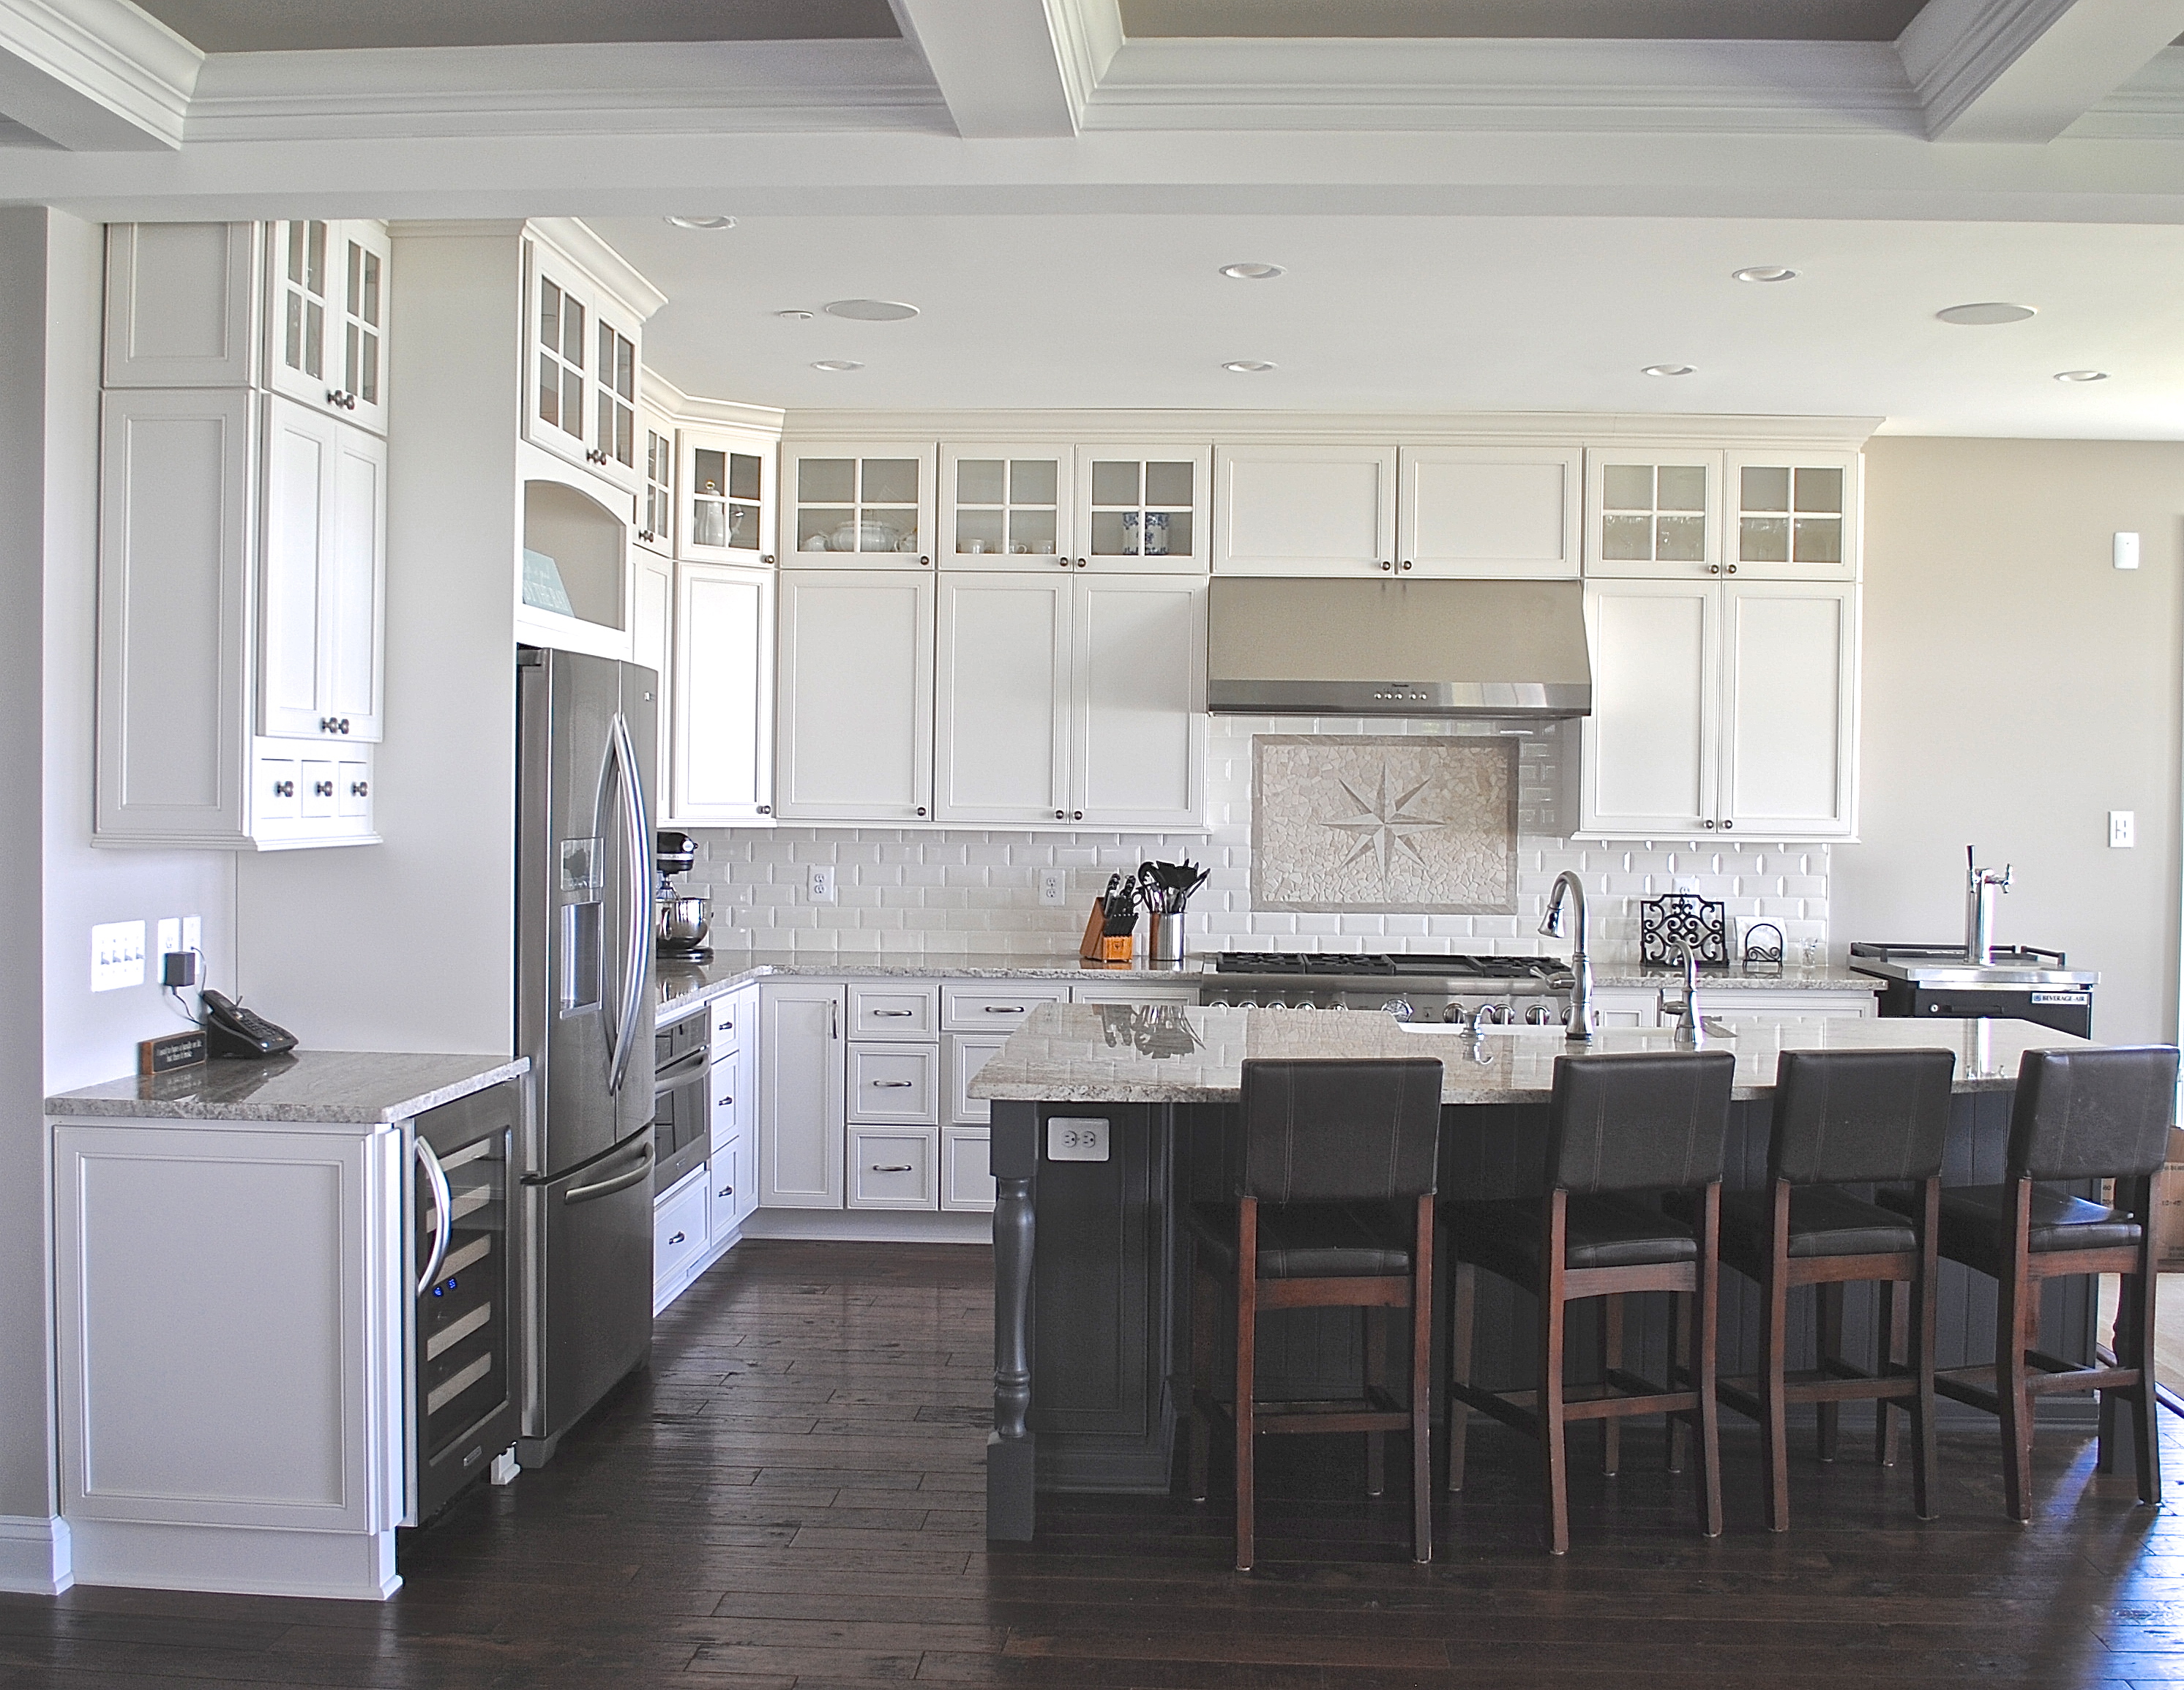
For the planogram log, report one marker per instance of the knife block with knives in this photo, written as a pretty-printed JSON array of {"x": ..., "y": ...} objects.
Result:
[{"x": 1110, "y": 934}]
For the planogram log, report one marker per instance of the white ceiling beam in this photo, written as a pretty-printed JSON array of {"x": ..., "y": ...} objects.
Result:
[
  {"x": 1011, "y": 70},
  {"x": 95, "y": 75},
  {"x": 2025, "y": 71}
]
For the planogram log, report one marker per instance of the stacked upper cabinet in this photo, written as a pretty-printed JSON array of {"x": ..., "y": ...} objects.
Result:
[
  {"x": 243, "y": 546},
  {"x": 1722, "y": 610}
]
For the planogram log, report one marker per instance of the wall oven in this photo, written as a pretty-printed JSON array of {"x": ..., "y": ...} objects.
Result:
[
  {"x": 680, "y": 1129},
  {"x": 462, "y": 1408}
]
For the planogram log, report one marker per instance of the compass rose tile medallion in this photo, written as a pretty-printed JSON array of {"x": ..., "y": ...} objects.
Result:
[{"x": 1378, "y": 824}]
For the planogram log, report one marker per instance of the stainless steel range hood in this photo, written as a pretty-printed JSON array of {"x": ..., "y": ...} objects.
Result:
[{"x": 1503, "y": 649}]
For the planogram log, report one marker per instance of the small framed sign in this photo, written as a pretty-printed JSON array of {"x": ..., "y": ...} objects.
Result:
[
  {"x": 176, "y": 1049},
  {"x": 1076, "y": 1138}
]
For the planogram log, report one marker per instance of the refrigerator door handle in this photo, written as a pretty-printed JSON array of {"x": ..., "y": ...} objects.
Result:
[
  {"x": 639, "y": 935},
  {"x": 620, "y": 1182}
]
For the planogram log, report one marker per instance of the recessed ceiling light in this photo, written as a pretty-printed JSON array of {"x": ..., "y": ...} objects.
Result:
[
  {"x": 1248, "y": 367},
  {"x": 1669, "y": 370},
  {"x": 1983, "y": 315},
  {"x": 1764, "y": 272},
  {"x": 871, "y": 310},
  {"x": 2081, "y": 375},
  {"x": 793, "y": 316},
  {"x": 703, "y": 222},
  {"x": 1251, "y": 272},
  {"x": 836, "y": 365}
]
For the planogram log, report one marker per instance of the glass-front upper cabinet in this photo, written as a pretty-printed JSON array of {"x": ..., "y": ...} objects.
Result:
[
  {"x": 580, "y": 370},
  {"x": 727, "y": 481},
  {"x": 860, "y": 507},
  {"x": 1006, "y": 507},
  {"x": 656, "y": 498},
  {"x": 1142, "y": 510},
  {"x": 1796, "y": 515},
  {"x": 1652, "y": 512},
  {"x": 326, "y": 322}
]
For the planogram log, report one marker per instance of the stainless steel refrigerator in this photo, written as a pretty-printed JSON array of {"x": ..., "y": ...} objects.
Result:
[{"x": 586, "y": 727}]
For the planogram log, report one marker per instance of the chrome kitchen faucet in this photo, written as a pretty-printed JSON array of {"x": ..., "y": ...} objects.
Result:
[{"x": 1584, "y": 1017}]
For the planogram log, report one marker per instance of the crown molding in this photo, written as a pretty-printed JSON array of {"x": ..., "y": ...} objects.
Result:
[
  {"x": 663, "y": 396},
  {"x": 2150, "y": 107},
  {"x": 96, "y": 75},
  {"x": 574, "y": 239}
]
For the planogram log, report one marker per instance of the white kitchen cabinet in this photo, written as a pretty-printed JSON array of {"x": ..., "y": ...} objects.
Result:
[
  {"x": 180, "y": 576},
  {"x": 1653, "y": 511},
  {"x": 583, "y": 348},
  {"x": 1794, "y": 515},
  {"x": 1507, "y": 512},
  {"x": 182, "y": 304},
  {"x": 859, "y": 506},
  {"x": 1131, "y": 992},
  {"x": 729, "y": 1198},
  {"x": 854, "y": 737},
  {"x": 655, "y": 495},
  {"x": 899, "y": 1012},
  {"x": 727, "y": 512},
  {"x": 1002, "y": 708},
  {"x": 652, "y": 645},
  {"x": 573, "y": 571},
  {"x": 1138, "y": 702},
  {"x": 994, "y": 1005},
  {"x": 679, "y": 1236},
  {"x": 801, "y": 1118},
  {"x": 967, "y": 1170},
  {"x": 1721, "y": 708},
  {"x": 327, "y": 321},
  {"x": 1007, "y": 506},
  {"x": 1632, "y": 1005},
  {"x": 894, "y": 1084},
  {"x": 1144, "y": 509},
  {"x": 322, "y": 604},
  {"x": 963, "y": 1054},
  {"x": 722, "y": 763},
  {"x": 1323, "y": 510},
  {"x": 894, "y": 1168}
]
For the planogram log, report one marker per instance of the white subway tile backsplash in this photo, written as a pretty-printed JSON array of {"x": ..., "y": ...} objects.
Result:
[{"x": 977, "y": 891}]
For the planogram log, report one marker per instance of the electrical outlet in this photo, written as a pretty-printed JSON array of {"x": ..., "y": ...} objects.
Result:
[
  {"x": 2123, "y": 829},
  {"x": 819, "y": 884},
  {"x": 193, "y": 934},
  {"x": 171, "y": 935},
  {"x": 117, "y": 955},
  {"x": 1053, "y": 887},
  {"x": 1687, "y": 883}
]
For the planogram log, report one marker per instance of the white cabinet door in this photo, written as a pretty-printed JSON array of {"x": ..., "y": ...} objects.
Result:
[
  {"x": 967, "y": 1169},
  {"x": 181, "y": 304},
  {"x": 894, "y": 1084},
  {"x": 1137, "y": 710},
  {"x": 1794, "y": 516},
  {"x": 655, "y": 497},
  {"x": 1789, "y": 709},
  {"x": 894, "y": 1168},
  {"x": 1144, "y": 509},
  {"x": 723, "y": 691},
  {"x": 800, "y": 1115},
  {"x": 1504, "y": 511},
  {"x": 1653, "y": 511},
  {"x": 727, "y": 514},
  {"x": 855, "y": 738},
  {"x": 1305, "y": 509},
  {"x": 580, "y": 369},
  {"x": 1632, "y": 1006},
  {"x": 859, "y": 506},
  {"x": 327, "y": 295},
  {"x": 965, "y": 1054},
  {"x": 1001, "y": 710},
  {"x": 652, "y": 645},
  {"x": 1007, "y": 506},
  {"x": 1651, "y": 745},
  {"x": 352, "y": 591},
  {"x": 322, "y": 577}
]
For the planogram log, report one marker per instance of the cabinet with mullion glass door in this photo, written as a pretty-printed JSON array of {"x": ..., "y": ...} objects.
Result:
[
  {"x": 727, "y": 482},
  {"x": 1142, "y": 510},
  {"x": 1796, "y": 515},
  {"x": 326, "y": 322},
  {"x": 656, "y": 498},
  {"x": 859, "y": 507},
  {"x": 580, "y": 370},
  {"x": 1653, "y": 512},
  {"x": 1006, "y": 507}
]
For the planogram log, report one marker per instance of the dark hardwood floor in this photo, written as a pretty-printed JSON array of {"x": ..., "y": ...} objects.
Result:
[{"x": 792, "y": 1498}]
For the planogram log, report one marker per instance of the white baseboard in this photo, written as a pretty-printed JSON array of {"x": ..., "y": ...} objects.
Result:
[
  {"x": 34, "y": 1557},
  {"x": 239, "y": 1560},
  {"x": 872, "y": 1226}
]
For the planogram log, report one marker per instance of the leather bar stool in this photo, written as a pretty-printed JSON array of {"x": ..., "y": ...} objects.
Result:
[
  {"x": 1618, "y": 1125},
  {"x": 1333, "y": 1208},
  {"x": 1843, "y": 1118},
  {"x": 2079, "y": 1114}
]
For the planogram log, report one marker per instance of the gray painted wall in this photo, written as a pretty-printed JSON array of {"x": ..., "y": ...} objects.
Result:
[{"x": 2018, "y": 688}]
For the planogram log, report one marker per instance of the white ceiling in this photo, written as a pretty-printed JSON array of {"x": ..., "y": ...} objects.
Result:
[
  {"x": 324, "y": 25},
  {"x": 1527, "y": 314},
  {"x": 1533, "y": 20}
]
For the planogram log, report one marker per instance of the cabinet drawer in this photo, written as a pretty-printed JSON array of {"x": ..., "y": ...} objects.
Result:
[
  {"x": 678, "y": 1228},
  {"x": 728, "y": 1014},
  {"x": 726, "y": 1108},
  {"x": 893, "y": 1011},
  {"x": 982, "y": 1008},
  {"x": 317, "y": 789},
  {"x": 727, "y": 1179},
  {"x": 893, "y": 1168},
  {"x": 968, "y": 1053},
  {"x": 894, "y": 1083},
  {"x": 967, "y": 1170},
  {"x": 353, "y": 789},
  {"x": 1122, "y": 993},
  {"x": 279, "y": 797}
]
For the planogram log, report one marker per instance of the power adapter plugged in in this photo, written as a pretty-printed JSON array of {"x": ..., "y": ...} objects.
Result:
[{"x": 178, "y": 969}]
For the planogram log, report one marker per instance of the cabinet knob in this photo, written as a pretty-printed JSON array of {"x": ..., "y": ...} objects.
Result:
[
  {"x": 1076, "y": 815},
  {"x": 1406, "y": 563},
  {"x": 1732, "y": 569},
  {"x": 284, "y": 788},
  {"x": 1060, "y": 816},
  {"x": 1709, "y": 821},
  {"x": 1389, "y": 567},
  {"x": 359, "y": 788},
  {"x": 921, "y": 809},
  {"x": 925, "y": 563},
  {"x": 1714, "y": 569},
  {"x": 765, "y": 557},
  {"x": 1080, "y": 563},
  {"x": 1727, "y": 825},
  {"x": 1063, "y": 561},
  {"x": 322, "y": 789},
  {"x": 766, "y": 809}
]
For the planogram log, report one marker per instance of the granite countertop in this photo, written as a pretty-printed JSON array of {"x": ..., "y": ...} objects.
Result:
[
  {"x": 1789, "y": 977},
  {"x": 326, "y": 1088},
  {"x": 1088, "y": 1053}
]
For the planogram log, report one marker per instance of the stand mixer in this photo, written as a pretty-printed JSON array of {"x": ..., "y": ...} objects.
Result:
[{"x": 680, "y": 923}]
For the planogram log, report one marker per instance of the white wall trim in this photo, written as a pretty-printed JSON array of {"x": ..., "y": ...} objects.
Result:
[
  {"x": 871, "y": 1226},
  {"x": 35, "y": 1555},
  {"x": 678, "y": 406},
  {"x": 95, "y": 75},
  {"x": 2149, "y": 106},
  {"x": 2025, "y": 71},
  {"x": 999, "y": 67},
  {"x": 574, "y": 236}
]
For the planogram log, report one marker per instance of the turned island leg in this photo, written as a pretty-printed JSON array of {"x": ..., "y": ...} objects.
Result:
[{"x": 1010, "y": 1510}]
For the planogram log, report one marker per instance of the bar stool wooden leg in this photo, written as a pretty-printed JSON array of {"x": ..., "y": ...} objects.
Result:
[
  {"x": 1774, "y": 1355},
  {"x": 1422, "y": 1279},
  {"x": 1921, "y": 1302},
  {"x": 2015, "y": 1312},
  {"x": 1376, "y": 1379},
  {"x": 1611, "y": 1359},
  {"x": 1205, "y": 1309},
  {"x": 1247, "y": 1359},
  {"x": 1705, "y": 1350},
  {"x": 1462, "y": 1303},
  {"x": 1895, "y": 1325},
  {"x": 2140, "y": 1289},
  {"x": 1680, "y": 1372},
  {"x": 1830, "y": 1300},
  {"x": 1554, "y": 1465}
]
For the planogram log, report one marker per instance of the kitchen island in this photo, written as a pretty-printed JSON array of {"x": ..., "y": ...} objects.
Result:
[{"x": 1106, "y": 1119}]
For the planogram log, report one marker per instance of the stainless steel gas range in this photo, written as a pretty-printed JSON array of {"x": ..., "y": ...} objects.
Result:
[{"x": 1422, "y": 987}]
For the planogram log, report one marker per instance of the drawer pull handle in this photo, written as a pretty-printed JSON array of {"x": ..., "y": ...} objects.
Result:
[
  {"x": 676, "y": 1240},
  {"x": 894, "y": 1012},
  {"x": 891, "y": 1168},
  {"x": 1004, "y": 1009},
  {"x": 892, "y": 1084},
  {"x": 727, "y": 1102},
  {"x": 727, "y": 1191}
]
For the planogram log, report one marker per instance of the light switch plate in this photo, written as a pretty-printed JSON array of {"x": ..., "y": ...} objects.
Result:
[
  {"x": 819, "y": 884},
  {"x": 1077, "y": 1137},
  {"x": 2123, "y": 829},
  {"x": 117, "y": 955},
  {"x": 2126, "y": 552},
  {"x": 1053, "y": 887}
]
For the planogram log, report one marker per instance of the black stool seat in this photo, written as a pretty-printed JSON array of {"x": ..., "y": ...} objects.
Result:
[
  {"x": 1604, "y": 1229},
  {"x": 1976, "y": 1221},
  {"x": 1824, "y": 1221},
  {"x": 1308, "y": 1241}
]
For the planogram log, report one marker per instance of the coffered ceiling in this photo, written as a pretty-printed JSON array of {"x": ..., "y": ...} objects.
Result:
[
  {"x": 332, "y": 25},
  {"x": 1536, "y": 19}
]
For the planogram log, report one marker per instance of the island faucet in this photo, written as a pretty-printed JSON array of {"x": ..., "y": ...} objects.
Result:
[
  {"x": 1691, "y": 1029},
  {"x": 1584, "y": 1017}
]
